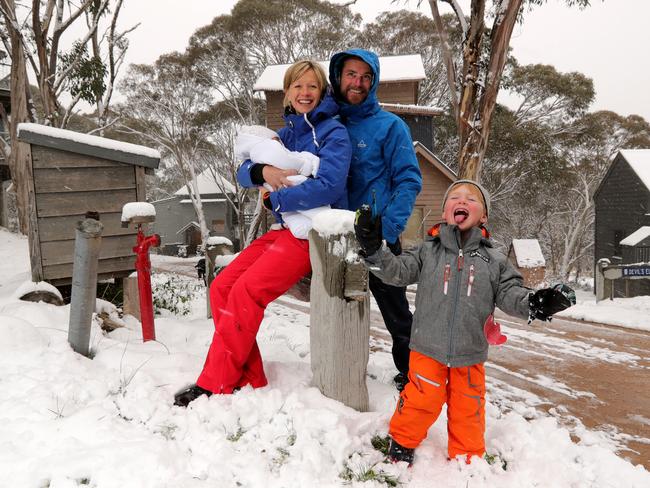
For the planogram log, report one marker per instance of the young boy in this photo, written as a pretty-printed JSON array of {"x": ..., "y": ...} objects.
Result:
[{"x": 461, "y": 279}]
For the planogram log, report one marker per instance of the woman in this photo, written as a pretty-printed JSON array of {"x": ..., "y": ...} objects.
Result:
[{"x": 273, "y": 263}]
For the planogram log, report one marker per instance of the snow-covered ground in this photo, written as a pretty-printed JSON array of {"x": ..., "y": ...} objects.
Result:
[{"x": 68, "y": 421}]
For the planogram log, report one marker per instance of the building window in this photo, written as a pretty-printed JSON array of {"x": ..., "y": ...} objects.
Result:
[
  {"x": 619, "y": 235},
  {"x": 643, "y": 254}
]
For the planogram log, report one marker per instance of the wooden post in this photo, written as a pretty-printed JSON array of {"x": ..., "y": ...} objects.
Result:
[
  {"x": 84, "y": 283},
  {"x": 131, "y": 296},
  {"x": 339, "y": 320},
  {"x": 211, "y": 253}
]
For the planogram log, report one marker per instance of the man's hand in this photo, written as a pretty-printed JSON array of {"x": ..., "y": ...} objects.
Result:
[
  {"x": 548, "y": 301},
  {"x": 368, "y": 230},
  {"x": 277, "y": 177}
]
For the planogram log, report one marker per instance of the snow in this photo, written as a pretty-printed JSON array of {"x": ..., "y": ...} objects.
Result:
[
  {"x": 31, "y": 287},
  {"x": 137, "y": 209},
  {"x": 637, "y": 236},
  {"x": 109, "y": 422},
  {"x": 528, "y": 253},
  {"x": 391, "y": 68},
  {"x": 218, "y": 240},
  {"x": 208, "y": 184},
  {"x": 639, "y": 160},
  {"x": 96, "y": 141},
  {"x": 334, "y": 222}
]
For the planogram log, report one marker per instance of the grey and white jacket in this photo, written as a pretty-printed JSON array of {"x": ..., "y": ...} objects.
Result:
[{"x": 457, "y": 291}]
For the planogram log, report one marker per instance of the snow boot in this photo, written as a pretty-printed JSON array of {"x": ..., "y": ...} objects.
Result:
[
  {"x": 397, "y": 453},
  {"x": 189, "y": 394}
]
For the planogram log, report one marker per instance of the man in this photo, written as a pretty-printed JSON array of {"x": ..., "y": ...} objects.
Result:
[{"x": 384, "y": 173}]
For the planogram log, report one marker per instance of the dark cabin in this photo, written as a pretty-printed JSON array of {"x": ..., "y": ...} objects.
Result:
[{"x": 622, "y": 208}]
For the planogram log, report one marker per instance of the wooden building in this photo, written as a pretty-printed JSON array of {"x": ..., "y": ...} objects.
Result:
[
  {"x": 73, "y": 174},
  {"x": 526, "y": 256},
  {"x": 622, "y": 208},
  {"x": 398, "y": 93},
  {"x": 5, "y": 173}
]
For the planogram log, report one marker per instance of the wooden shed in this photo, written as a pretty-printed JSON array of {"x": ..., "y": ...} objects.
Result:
[
  {"x": 72, "y": 174},
  {"x": 526, "y": 255}
]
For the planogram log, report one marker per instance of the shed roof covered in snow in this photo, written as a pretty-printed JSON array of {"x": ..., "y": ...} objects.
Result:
[
  {"x": 638, "y": 237},
  {"x": 99, "y": 147},
  {"x": 528, "y": 253},
  {"x": 392, "y": 69}
]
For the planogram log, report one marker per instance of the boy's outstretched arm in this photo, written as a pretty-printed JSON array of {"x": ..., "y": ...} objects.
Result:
[{"x": 394, "y": 270}]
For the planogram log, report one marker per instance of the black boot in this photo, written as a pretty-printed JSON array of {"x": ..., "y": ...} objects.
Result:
[
  {"x": 400, "y": 380},
  {"x": 189, "y": 394},
  {"x": 397, "y": 453}
]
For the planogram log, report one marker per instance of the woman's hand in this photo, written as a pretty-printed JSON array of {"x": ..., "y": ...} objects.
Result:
[{"x": 276, "y": 177}]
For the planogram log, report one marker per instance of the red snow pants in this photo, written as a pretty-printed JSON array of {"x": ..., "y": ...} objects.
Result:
[
  {"x": 263, "y": 271},
  {"x": 431, "y": 385}
]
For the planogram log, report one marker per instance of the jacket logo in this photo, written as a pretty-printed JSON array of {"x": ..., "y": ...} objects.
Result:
[
  {"x": 362, "y": 144},
  {"x": 476, "y": 253}
]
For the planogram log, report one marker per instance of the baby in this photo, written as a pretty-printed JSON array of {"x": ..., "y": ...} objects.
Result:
[{"x": 263, "y": 146}]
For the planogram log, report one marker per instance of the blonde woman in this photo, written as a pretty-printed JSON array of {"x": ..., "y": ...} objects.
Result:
[{"x": 277, "y": 260}]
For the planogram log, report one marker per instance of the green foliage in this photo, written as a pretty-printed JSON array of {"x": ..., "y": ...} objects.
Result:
[
  {"x": 368, "y": 473},
  {"x": 173, "y": 293},
  {"x": 235, "y": 436},
  {"x": 381, "y": 443},
  {"x": 87, "y": 73}
]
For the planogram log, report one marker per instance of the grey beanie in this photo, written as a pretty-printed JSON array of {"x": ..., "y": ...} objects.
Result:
[{"x": 484, "y": 193}]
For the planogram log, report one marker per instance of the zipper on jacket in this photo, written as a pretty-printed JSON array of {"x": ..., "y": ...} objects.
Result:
[
  {"x": 470, "y": 280},
  {"x": 445, "y": 279},
  {"x": 460, "y": 261},
  {"x": 313, "y": 131}
]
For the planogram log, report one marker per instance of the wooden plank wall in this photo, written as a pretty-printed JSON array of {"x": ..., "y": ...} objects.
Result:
[
  {"x": 66, "y": 186},
  {"x": 434, "y": 186}
]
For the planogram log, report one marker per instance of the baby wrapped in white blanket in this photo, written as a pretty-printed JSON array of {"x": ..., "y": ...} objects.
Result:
[{"x": 263, "y": 146}]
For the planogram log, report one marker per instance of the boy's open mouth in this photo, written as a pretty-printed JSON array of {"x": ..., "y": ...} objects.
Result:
[{"x": 460, "y": 215}]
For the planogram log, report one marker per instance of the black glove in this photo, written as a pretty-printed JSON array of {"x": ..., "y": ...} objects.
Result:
[
  {"x": 368, "y": 230},
  {"x": 548, "y": 301}
]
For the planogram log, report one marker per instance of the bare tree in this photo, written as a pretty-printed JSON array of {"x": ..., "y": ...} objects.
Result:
[{"x": 475, "y": 84}]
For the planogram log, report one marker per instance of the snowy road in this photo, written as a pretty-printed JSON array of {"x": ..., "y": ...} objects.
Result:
[{"x": 592, "y": 378}]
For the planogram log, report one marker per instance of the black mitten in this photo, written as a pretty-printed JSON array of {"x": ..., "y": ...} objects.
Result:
[
  {"x": 548, "y": 301},
  {"x": 368, "y": 230}
]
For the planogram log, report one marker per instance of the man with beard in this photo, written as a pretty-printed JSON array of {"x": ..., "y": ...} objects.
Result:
[{"x": 384, "y": 174}]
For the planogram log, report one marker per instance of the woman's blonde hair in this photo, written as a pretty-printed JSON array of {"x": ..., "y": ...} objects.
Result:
[{"x": 299, "y": 68}]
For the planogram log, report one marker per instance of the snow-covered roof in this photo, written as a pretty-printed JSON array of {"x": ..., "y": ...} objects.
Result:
[
  {"x": 637, "y": 236},
  {"x": 207, "y": 182},
  {"x": 78, "y": 142},
  {"x": 528, "y": 253},
  {"x": 639, "y": 160},
  {"x": 391, "y": 68}
]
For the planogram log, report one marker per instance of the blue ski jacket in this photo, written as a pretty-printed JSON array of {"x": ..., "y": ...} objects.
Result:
[
  {"x": 384, "y": 172},
  {"x": 322, "y": 135}
]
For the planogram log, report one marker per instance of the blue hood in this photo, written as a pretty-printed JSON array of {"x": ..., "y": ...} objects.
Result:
[{"x": 370, "y": 105}]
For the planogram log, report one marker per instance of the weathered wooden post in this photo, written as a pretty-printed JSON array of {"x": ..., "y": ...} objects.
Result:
[
  {"x": 215, "y": 246},
  {"x": 84, "y": 283},
  {"x": 339, "y": 311}
]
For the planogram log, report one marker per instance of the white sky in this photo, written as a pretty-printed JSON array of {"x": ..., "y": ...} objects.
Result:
[{"x": 605, "y": 41}]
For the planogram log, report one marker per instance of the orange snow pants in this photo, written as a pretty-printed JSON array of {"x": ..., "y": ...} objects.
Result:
[
  {"x": 263, "y": 271},
  {"x": 431, "y": 385}
]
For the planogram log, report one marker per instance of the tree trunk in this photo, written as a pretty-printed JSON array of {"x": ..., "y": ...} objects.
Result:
[
  {"x": 339, "y": 320},
  {"x": 20, "y": 157}
]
